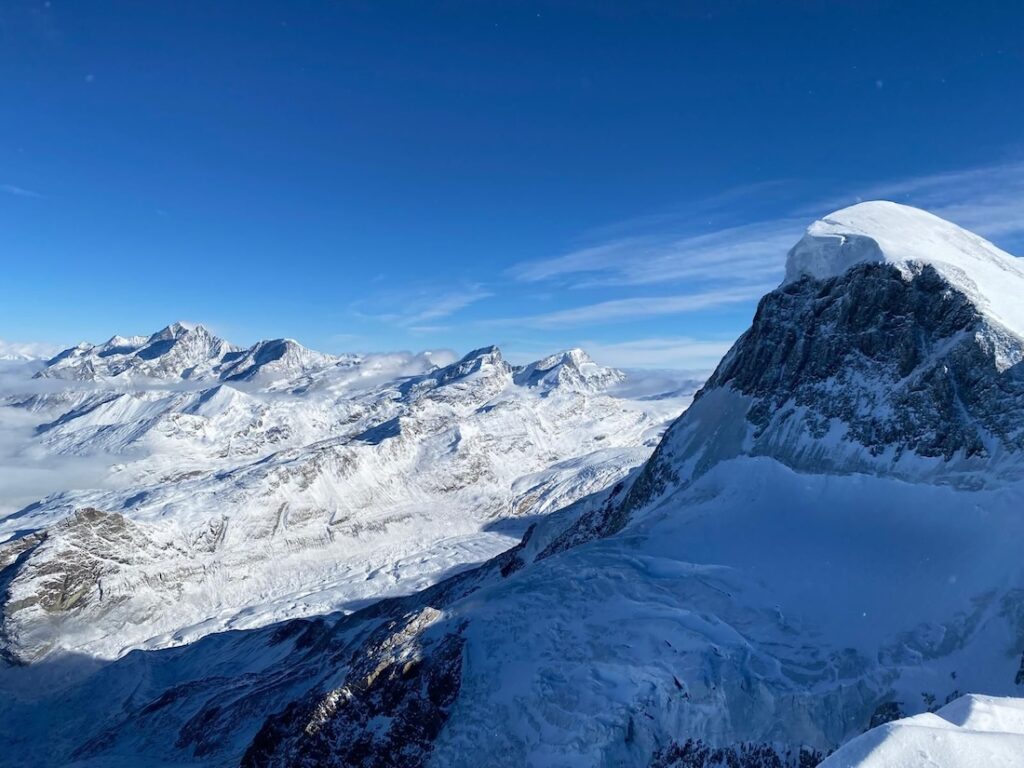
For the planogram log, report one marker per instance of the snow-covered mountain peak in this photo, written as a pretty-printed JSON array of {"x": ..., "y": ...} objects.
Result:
[
  {"x": 179, "y": 328},
  {"x": 898, "y": 358},
  {"x": 283, "y": 358},
  {"x": 484, "y": 360},
  {"x": 910, "y": 239},
  {"x": 572, "y": 369},
  {"x": 186, "y": 351}
]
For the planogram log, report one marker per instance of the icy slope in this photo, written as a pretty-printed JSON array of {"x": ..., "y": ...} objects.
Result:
[
  {"x": 263, "y": 498},
  {"x": 971, "y": 732}
]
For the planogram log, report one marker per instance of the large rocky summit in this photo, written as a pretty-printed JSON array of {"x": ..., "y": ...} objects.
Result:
[{"x": 898, "y": 356}]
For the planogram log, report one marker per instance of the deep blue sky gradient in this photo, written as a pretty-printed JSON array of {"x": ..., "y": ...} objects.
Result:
[{"x": 374, "y": 175}]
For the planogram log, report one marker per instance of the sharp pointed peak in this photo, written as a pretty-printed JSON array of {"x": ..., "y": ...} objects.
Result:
[{"x": 488, "y": 351}]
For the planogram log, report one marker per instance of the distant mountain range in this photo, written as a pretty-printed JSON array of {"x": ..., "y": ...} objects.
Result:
[
  {"x": 252, "y": 485},
  {"x": 186, "y": 352}
]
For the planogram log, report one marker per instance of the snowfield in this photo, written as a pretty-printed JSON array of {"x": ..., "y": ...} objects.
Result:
[{"x": 880, "y": 232}]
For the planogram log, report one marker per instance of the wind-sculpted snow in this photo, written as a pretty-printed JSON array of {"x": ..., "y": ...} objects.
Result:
[
  {"x": 241, "y": 502},
  {"x": 971, "y": 732}
]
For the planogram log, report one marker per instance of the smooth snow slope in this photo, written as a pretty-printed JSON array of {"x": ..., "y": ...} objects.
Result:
[{"x": 971, "y": 732}]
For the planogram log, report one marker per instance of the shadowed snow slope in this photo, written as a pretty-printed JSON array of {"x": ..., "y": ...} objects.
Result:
[{"x": 826, "y": 541}]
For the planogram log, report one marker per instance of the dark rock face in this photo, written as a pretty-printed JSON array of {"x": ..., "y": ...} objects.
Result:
[
  {"x": 387, "y": 714},
  {"x": 867, "y": 372},
  {"x": 400, "y": 681},
  {"x": 694, "y": 753},
  {"x": 884, "y": 713},
  {"x": 906, "y": 365}
]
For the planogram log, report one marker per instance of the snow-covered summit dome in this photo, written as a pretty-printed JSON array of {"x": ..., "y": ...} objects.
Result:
[{"x": 909, "y": 239}]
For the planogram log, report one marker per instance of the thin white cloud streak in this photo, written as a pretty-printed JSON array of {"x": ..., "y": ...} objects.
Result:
[
  {"x": 988, "y": 200},
  {"x": 447, "y": 305},
  {"x": 14, "y": 189},
  {"x": 679, "y": 353},
  {"x": 745, "y": 253},
  {"x": 738, "y": 263},
  {"x": 620, "y": 310},
  {"x": 419, "y": 309},
  {"x": 695, "y": 213}
]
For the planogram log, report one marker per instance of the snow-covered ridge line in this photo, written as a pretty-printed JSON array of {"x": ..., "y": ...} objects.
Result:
[
  {"x": 191, "y": 353},
  {"x": 184, "y": 351}
]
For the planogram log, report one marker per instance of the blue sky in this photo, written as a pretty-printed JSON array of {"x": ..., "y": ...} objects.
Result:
[{"x": 377, "y": 176}]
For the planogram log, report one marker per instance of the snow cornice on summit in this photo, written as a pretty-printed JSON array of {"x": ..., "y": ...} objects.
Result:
[{"x": 909, "y": 239}]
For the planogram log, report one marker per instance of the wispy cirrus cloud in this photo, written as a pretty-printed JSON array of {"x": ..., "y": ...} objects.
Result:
[
  {"x": 419, "y": 310},
  {"x": 14, "y": 189},
  {"x": 620, "y": 310},
  {"x": 712, "y": 266},
  {"x": 744, "y": 253},
  {"x": 988, "y": 200}
]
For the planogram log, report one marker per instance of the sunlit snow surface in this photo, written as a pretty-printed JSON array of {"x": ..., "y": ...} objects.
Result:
[
  {"x": 971, "y": 732},
  {"x": 312, "y": 487},
  {"x": 909, "y": 238}
]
